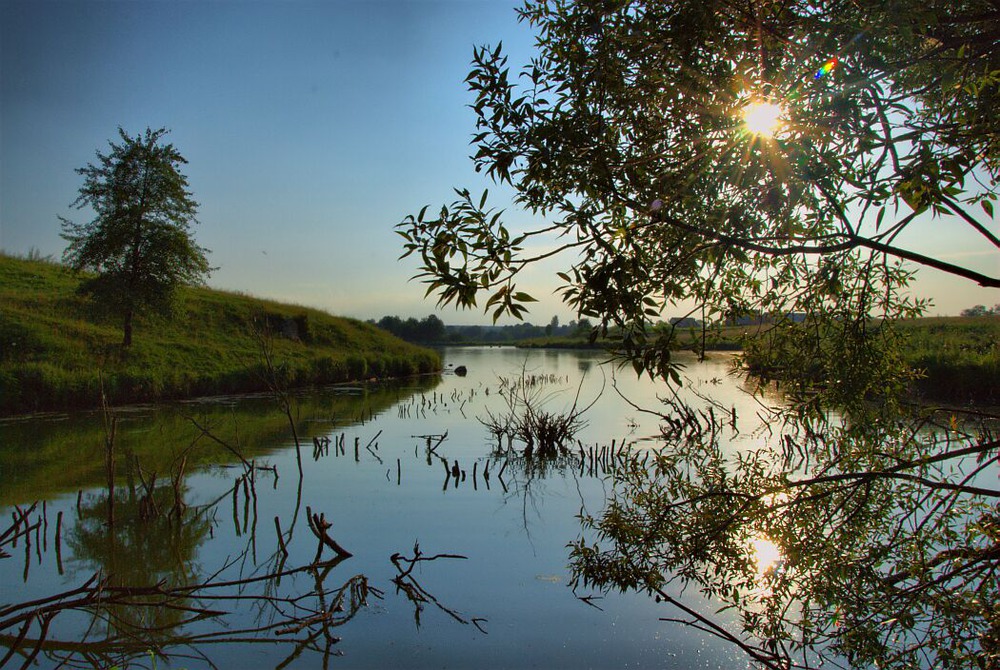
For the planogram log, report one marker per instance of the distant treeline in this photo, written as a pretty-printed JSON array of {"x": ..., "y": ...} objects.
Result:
[{"x": 432, "y": 330}]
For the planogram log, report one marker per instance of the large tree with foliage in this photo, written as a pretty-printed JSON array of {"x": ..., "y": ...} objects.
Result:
[
  {"x": 628, "y": 135},
  {"x": 770, "y": 159},
  {"x": 139, "y": 243}
]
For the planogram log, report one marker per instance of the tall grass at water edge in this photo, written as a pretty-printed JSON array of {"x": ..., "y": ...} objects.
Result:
[{"x": 958, "y": 357}]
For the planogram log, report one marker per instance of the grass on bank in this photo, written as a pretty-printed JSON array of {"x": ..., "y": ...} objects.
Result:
[
  {"x": 957, "y": 359},
  {"x": 54, "y": 349}
]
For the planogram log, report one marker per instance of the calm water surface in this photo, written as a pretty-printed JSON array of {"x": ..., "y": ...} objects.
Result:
[{"x": 383, "y": 491}]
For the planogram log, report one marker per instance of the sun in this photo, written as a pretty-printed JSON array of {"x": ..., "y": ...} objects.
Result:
[
  {"x": 762, "y": 118},
  {"x": 766, "y": 554}
]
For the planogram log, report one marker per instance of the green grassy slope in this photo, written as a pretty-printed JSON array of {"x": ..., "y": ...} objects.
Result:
[{"x": 54, "y": 349}]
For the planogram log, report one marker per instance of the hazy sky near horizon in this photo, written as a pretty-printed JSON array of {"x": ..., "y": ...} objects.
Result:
[{"x": 311, "y": 129}]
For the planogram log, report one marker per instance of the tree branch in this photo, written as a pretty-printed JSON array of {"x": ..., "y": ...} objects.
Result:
[{"x": 852, "y": 242}]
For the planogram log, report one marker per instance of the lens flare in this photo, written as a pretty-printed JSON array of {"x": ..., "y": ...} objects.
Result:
[
  {"x": 762, "y": 118},
  {"x": 827, "y": 67}
]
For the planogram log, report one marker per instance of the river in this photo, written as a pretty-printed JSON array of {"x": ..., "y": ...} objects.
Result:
[{"x": 491, "y": 588}]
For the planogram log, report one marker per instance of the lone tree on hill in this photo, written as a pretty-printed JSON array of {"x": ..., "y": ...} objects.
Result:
[{"x": 140, "y": 242}]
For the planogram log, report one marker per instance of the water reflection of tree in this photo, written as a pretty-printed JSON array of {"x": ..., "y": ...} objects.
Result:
[
  {"x": 148, "y": 600},
  {"x": 146, "y": 595},
  {"x": 67, "y": 455},
  {"x": 883, "y": 539},
  {"x": 140, "y": 548}
]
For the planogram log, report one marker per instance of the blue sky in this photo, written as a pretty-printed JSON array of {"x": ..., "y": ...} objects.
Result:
[{"x": 311, "y": 129}]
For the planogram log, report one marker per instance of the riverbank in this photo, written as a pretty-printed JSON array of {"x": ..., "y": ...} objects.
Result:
[
  {"x": 957, "y": 359},
  {"x": 57, "y": 353}
]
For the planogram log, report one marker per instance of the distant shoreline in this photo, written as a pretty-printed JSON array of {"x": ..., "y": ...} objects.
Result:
[{"x": 957, "y": 357}]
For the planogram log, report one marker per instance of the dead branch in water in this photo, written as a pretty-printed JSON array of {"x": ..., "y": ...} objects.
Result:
[
  {"x": 417, "y": 594},
  {"x": 319, "y": 526},
  {"x": 215, "y": 598}
]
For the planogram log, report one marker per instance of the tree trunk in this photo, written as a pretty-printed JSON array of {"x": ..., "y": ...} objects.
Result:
[{"x": 127, "y": 330}]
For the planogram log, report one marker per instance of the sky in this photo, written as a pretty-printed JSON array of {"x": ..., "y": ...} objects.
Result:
[{"x": 310, "y": 130}]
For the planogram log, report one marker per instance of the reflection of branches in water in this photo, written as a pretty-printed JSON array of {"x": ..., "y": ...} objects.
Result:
[
  {"x": 133, "y": 606},
  {"x": 233, "y": 449},
  {"x": 888, "y": 535},
  {"x": 23, "y": 526},
  {"x": 171, "y": 615},
  {"x": 274, "y": 377},
  {"x": 417, "y": 594},
  {"x": 160, "y": 610},
  {"x": 98, "y": 595},
  {"x": 527, "y": 475},
  {"x": 143, "y": 594},
  {"x": 410, "y": 408}
]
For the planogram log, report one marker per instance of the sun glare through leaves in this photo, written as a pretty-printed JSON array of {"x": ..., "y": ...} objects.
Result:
[
  {"x": 767, "y": 555},
  {"x": 762, "y": 118}
]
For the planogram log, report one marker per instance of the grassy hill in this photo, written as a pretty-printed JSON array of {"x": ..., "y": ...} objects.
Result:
[{"x": 54, "y": 349}]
